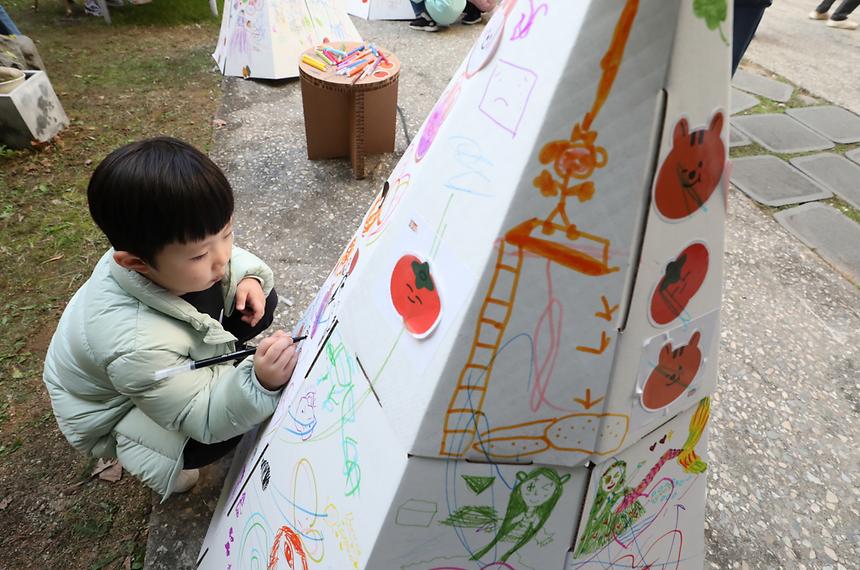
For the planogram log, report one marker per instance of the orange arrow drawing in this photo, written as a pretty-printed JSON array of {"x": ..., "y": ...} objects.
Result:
[
  {"x": 604, "y": 342},
  {"x": 588, "y": 403},
  {"x": 607, "y": 310}
]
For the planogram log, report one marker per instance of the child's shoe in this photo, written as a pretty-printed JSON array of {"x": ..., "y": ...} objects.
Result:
[
  {"x": 424, "y": 23},
  {"x": 816, "y": 15},
  {"x": 92, "y": 8},
  {"x": 471, "y": 15},
  {"x": 187, "y": 479},
  {"x": 843, "y": 24}
]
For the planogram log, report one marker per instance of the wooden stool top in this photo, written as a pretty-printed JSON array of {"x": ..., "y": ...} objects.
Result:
[{"x": 384, "y": 74}]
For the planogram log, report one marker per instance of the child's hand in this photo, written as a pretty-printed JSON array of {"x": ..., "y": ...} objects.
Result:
[
  {"x": 250, "y": 300},
  {"x": 275, "y": 360}
]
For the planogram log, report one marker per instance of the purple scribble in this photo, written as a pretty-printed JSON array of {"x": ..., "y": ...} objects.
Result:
[
  {"x": 507, "y": 95},
  {"x": 524, "y": 25}
]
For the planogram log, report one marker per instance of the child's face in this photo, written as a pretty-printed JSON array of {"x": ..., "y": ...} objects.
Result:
[{"x": 194, "y": 266}]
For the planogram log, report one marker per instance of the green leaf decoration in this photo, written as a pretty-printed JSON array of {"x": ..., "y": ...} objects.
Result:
[
  {"x": 478, "y": 484},
  {"x": 422, "y": 275},
  {"x": 714, "y": 13}
]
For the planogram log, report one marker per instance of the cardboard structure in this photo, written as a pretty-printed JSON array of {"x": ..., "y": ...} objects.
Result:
[
  {"x": 31, "y": 112},
  {"x": 381, "y": 9},
  {"x": 265, "y": 38},
  {"x": 349, "y": 117},
  {"x": 509, "y": 366}
]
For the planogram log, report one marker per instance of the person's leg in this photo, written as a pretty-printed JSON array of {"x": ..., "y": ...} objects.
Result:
[
  {"x": 196, "y": 454},
  {"x": 422, "y": 20},
  {"x": 824, "y": 6},
  {"x": 745, "y": 22},
  {"x": 245, "y": 332},
  {"x": 844, "y": 9},
  {"x": 471, "y": 14},
  {"x": 7, "y": 26}
]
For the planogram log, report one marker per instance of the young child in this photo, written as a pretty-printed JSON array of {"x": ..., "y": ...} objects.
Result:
[
  {"x": 447, "y": 11},
  {"x": 173, "y": 288}
]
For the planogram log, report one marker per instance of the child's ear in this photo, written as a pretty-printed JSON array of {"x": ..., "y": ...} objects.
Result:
[{"x": 130, "y": 261}]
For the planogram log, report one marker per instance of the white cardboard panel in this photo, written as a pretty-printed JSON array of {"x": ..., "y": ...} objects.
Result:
[
  {"x": 456, "y": 514},
  {"x": 645, "y": 507},
  {"x": 318, "y": 479},
  {"x": 266, "y": 39},
  {"x": 687, "y": 208},
  {"x": 556, "y": 354},
  {"x": 381, "y": 9},
  {"x": 494, "y": 282}
]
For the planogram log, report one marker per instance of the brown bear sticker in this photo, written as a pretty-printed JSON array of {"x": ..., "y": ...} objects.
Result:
[
  {"x": 692, "y": 170},
  {"x": 673, "y": 374}
]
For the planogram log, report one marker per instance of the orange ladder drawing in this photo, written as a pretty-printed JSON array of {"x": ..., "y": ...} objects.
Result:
[{"x": 572, "y": 161}]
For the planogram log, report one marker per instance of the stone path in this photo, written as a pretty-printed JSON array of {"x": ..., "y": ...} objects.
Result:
[{"x": 777, "y": 168}]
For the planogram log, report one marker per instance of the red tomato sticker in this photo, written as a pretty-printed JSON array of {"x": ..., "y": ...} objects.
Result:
[
  {"x": 681, "y": 280},
  {"x": 673, "y": 374},
  {"x": 415, "y": 295}
]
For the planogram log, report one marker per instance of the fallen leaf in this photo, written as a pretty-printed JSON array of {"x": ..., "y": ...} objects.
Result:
[
  {"x": 5, "y": 502},
  {"x": 102, "y": 465},
  {"x": 55, "y": 258},
  {"x": 88, "y": 162},
  {"x": 112, "y": 473},
  {"x": 126, "y": 564}
]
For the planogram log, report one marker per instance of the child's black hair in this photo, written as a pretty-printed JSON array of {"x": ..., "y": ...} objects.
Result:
[{"x": 151, "y": 193}]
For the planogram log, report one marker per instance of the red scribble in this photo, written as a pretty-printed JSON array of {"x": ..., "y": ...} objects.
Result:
[{"x": 292, "y": 547}]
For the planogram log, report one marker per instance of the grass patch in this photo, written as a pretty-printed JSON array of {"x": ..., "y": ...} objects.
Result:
[
  {"x": 150, "y": 73},
  {"x": 845, "y": 208}
]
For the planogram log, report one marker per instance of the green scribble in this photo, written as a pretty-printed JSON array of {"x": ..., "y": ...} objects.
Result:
[
  {"x": 714, "y": 13},
  {"x": 481, "y": 517},
  {"x": 478, "y": 484}
]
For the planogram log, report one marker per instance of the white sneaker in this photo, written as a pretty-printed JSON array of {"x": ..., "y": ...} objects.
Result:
[
  {"x": 187, "y": 479},
  {"x": 843, "y": 24},
  {"x": 815, "y": 15}
]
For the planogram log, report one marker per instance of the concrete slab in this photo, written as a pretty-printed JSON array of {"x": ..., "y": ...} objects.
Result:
[
  {"x": 773, "y": 182},
  {"x": 764, "y": 86},
  {"x": 838, "y": 124},
  {"x": 830, "y": 233},
  {"x": 854, "y": 155},
  {"x": 822, "y": 60},
  {"x": 834, "y": 172},
  {"x": 737, "y": 138},
  {"x": 742, "y": 101},
  {"x": 778, "y": 132}
]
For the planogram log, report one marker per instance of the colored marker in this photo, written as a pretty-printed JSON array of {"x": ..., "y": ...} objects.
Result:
[
  {"x": 195, "y": 364},
  {"x": 313, "y": 63}
]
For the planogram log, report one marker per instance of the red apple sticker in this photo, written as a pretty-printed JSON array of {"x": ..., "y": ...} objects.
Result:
[
  {"x": 681, "y": 280},
  {"x": 415, "y": 295}
]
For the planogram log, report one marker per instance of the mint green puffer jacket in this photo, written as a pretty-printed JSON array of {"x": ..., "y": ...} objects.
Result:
[{"x": 118, "y": 329}]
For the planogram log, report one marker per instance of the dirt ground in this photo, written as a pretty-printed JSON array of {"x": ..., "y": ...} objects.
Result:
[{"x": 149, "y": 73}]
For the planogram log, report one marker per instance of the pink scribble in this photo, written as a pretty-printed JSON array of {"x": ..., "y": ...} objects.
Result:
[
  {"x": 524, "y": 26},
  {"x": 543, "y": 368}
]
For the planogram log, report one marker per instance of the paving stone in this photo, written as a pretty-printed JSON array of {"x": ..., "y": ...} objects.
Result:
[
  {"x": 826, "y": 230},
  {"x": 834, "y": 172},
  {"x": 838, "y": 124},
  {"x": 737, "y": 138},
  {"x": 778, "y": 132},
  {"x": 742, "y": 101},
  {"x": 854, "y": 155},
  {"x": 773, "y": 182},
  {"x": 764, "y": 86}
]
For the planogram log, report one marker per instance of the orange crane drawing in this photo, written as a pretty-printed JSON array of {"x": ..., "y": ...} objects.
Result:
[{"x": 573, "y": 162}]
